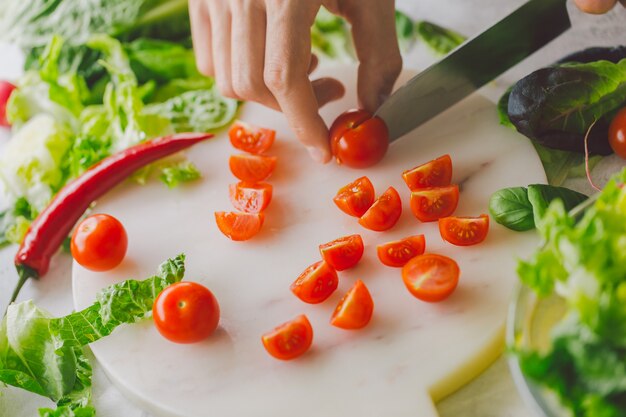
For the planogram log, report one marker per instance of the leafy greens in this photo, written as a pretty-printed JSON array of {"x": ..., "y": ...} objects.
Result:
[
  {"x": 584, "y": 263},
  {"x": 44, "y": 355}
]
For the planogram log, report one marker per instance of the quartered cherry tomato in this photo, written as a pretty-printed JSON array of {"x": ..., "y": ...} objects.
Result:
[
  {"x": 431, "y": 277},
  {"x": 617, "y": 133},
  {"x": 464, "y": 231},
  {"x": 99, "y": 242},
  {"x": 252, "y": 168},
  {"x": 355, "y": 198},
  {"x": 6, "y": 88},
  {"x": 399, "y": 252},
  {"x": 355, "y": 309},
  {"x": 186, "y": 312},
  {"x": 436, "y": 173},
  {"x": 430, "y": 204},
  {"x": 250, "y": 198},
  {"x": 358, "y": 140},
  {"x": 239, "y": 226},
  {"x": 384, "y": 213},
  {"x": 249, "y": 138},
  {"x": 316, "y": 283},
  {"x": 343, "y": 253},
  {"x": 289, "y": 340}
]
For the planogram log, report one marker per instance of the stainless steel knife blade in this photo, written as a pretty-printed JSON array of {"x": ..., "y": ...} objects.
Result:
[{"x": 474, "y": 64}]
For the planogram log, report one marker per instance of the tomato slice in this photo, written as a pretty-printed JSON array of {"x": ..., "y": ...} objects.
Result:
[
  {"x": 430, "y": 204},
  {"x": 252, "y": 168},
  {"x": 186, "y": 312},
  {"x": 343, "y": 253},
  {"x": 464, "y": 231},
  {"x": 617, "y": 133},
  {"x": 436, "y": 173},
  {"x": 6, "y": 89},
  {"x": 250, "y": 198},
  {"x": 355, "y": 309},
  {"x": 316, "y": 283},
  {"x": 431, "y": 277},
  {"x": 289, "y": 340},
  {"x": 99, "y": 242},
  {"x": 356, "y": 198},
  {"x": 399, "y": 252},
  {"x": 384, "y": 213},
  {"x": 250, "y": 138},
  {"x": 239, "y": 226}
]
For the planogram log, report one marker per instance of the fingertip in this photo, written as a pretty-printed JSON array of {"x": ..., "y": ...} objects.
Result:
[
  {"x": 319, "y": 155},
  {"x": 327, "y": 90}
]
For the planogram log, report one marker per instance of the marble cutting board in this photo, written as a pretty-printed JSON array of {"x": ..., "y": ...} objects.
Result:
[{"x": 412, "y": 353}]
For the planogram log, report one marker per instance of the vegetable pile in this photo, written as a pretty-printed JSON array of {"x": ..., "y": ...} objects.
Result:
[{"x": 584, "y": 263}]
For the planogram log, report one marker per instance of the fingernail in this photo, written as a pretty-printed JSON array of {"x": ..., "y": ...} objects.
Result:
[{"x": 317, "y": 154}]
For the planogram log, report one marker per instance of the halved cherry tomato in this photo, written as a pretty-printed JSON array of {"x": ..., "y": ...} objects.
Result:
[
  {"x": 249, "y": 138},
  {"x": 186, "y": 312},
  {"x": 355, "y": 198},
  {"x": 99, "y": 242},
  {"x": 617, "y": 133},
  {"x": 6, "y": 88},
  {"x": 355, "y": 309},
  {"x": 289, "y": 340},
  {"x": 464, "y": 231},
  {"x": 250, "y": 198},
  {"x": 316, "y": 283},
  {"x": 431, "y": 277},
  {"x": 436, "y": 173},
  {"x": 252, "y": 168},
  {"x": 358, "y": 140},
  {"x": 239, "y": 226},
  {"x": 384, "y": 213},
  {"x": 343, "y": 253},
  {"x": 399, "y": 252},
  {"x": 430, "y": 204}
]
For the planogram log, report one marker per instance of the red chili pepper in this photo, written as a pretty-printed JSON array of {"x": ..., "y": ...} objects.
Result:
[{"x": 54, "y": 223}]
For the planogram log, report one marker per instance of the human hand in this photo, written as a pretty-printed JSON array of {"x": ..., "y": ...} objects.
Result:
[
  {"x": 260, "y": 50},
  {"x": 597, "y": 6}
]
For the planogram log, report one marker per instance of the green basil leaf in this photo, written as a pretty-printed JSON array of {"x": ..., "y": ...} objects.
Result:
[
  {"x": 439, "y": 39},
  {"x": 540, "y": 196},
  {"x": 510, "y": 207}
]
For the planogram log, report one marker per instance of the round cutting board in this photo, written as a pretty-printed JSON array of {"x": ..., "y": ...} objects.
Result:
[{"x": 409, "y": 355}]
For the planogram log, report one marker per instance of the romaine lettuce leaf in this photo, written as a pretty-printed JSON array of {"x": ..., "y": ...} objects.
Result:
[{"x": 45, "y": 355}]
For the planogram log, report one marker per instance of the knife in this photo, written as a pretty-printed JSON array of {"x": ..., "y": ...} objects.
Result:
[{"x": 474, "y": 64}]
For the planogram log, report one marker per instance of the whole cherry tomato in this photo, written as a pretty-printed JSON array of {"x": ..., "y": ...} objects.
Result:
[
  {"x": 617, "y": 133},
  {"x": 186, "y": 312},
  {"x": 6, "y": 88},
  {"x": 358, "y": 140},
  {"x": 99, "y": 242}
]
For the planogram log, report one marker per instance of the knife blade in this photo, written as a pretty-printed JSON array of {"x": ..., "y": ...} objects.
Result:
[{"x": 474, "y": 64}]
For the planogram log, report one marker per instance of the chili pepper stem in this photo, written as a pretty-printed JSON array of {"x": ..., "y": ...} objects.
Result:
[{"x": 24, "y": 274}]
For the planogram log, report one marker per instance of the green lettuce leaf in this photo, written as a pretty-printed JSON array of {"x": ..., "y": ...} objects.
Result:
[
  {"x": 174, "y": 174},
  {"x": 44, "y": 355},
  {"x": 439, "y": 39}
]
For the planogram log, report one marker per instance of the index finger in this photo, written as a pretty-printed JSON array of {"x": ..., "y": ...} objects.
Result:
[{"x": 287, "y": 59}]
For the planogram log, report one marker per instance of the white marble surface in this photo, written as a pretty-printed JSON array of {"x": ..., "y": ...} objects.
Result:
[{"x": 491, "y": 394}]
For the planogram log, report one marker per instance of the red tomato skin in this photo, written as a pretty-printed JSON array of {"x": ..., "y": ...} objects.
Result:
[
  {"x": 384, "y": 213},
  {"x": 447, "y": 277},
  {"x": 356, "y": 198},
  {"x": 250, "y": 198},
  {"x": 446, "y": 199},
  {"x": 316, "y": 283},
  {"x": 435, "y": 173},
  {"x": 250, "y": 138},
  {"x": 397, "y": 253},
  {"x": 343, "y": 253},
  {"x": 358, "y": 140},
  {"x": 289, "y": 340},
  {"x": 239, "y": 226},
  {"x": 355, "y": 309},
  {"x": 473, "y": 229},
  {"x": 617, "y": 133},
  {"x": 6, "y": 89},
  {"x": 186, "y": 312},
  {"x": 99, "y": 242},
  {"x": 252, "y": 168}
]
